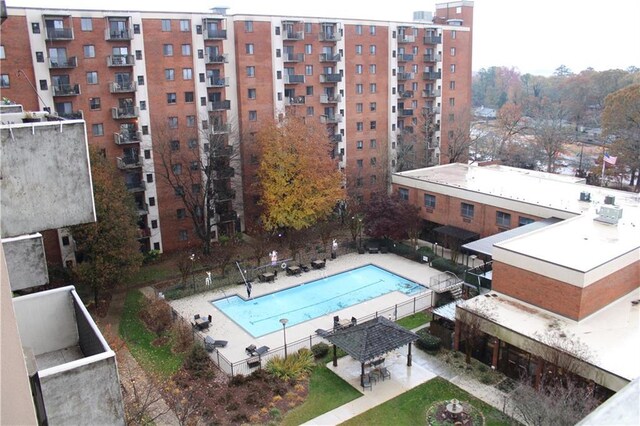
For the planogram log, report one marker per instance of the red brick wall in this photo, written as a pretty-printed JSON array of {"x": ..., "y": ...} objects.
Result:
[
  {"x": 15, "y": 40},
  {"x": 562, "y": 298}
]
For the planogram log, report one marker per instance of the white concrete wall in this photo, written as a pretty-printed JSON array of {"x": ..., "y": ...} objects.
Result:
[{"x": 26, "y": 261}]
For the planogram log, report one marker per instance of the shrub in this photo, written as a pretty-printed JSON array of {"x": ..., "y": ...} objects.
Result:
[
  {"x": 442, "y": 264},
  {"x": 151, "y": 256},
  {"x": 182, "y": 337},
  {"x": 486, "y": 379},
  {"x": 428, "y": 342},
  {"x": 156, "y": 315},
  {"x": 320, "y": 350},
  {"x": 482, "y": 368},
  {"x": 293, "y": 367},
  {"x": 198, "y": 362}
]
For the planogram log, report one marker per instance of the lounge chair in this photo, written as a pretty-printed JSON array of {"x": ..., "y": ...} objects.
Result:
[
  {"x": 250, "y": 349},
  {"x": 373, "y": 248},
  {"x": 261, "y": 350},
  {"x": 210, "y": 343}
]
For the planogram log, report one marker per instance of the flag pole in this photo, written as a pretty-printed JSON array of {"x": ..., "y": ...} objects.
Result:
[{"x": 603, "y": 163}]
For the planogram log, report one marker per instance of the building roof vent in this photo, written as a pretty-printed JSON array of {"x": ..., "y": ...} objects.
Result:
[
  {"x": 585, "y": 196},
  {"x": 610, "y": 214},
  {"x": 609, "y": 200}
]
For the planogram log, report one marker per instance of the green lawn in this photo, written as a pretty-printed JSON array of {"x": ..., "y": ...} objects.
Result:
[
  {"x": 154, "y": 359},
  {"x": 153, "y": 273},
  {"x": 410, "y": 407},
  {"x": 326, "y": 392},
  {"x": 415, "y": 320}
]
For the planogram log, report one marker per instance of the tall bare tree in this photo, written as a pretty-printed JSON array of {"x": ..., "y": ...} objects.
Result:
[
  {"x": 471, "y": 320},
  {"x": 550, "y": 132},
  {"x": 460, "y": 139}
]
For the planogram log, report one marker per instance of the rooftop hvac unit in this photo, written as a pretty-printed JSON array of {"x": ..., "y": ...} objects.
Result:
[
  {"x": 585, "y": 196},
  {"x": 609, "y": 200},
  {"x": 609, "y": 214},
  {"x": 423, "y": 16}
]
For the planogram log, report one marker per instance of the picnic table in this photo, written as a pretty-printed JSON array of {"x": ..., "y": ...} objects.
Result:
[
  {"x": 267, "y": 276},
  {"x": 293, "y": 270},
  {"x": 317, "y": 264}
]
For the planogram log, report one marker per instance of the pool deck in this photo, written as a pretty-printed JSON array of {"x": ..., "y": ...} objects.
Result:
[{"x": 223, "y": 328}]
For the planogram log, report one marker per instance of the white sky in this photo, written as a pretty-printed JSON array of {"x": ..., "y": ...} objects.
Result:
[{"x": 534, "y": 36}]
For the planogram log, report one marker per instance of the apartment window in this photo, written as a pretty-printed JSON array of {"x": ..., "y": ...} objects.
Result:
[
  {"x": 373, "y": 144},
  {"x": 373, "y": 88},
  {"x": 183, "y": 235},
  {"x": 403, "y": 193},
  {"x": 308, "y": 49},
  {"x": 92, "y": 77},
  {"x": 359, "y": 88},
  {"x": 141, "y": 80},
  {"x": 248, "y": 26},
  {"x": 187, "y": 73},
  {"x": 359, "y": 107},
  {"x": 39, "y": 57},
  {"x": 172, "y": 122},
  {"x": 452, "y": 68},
  {"x": 175, "y": 145},
  {"x": 86, "y": 24},
  {"x": 359, "y": 144},
  {"x": 430, "y": 201},
  {"x": 251, "y": 93},
  {"x": 451, "y": 118},
  {"x": 358, "y": 49},
  {"x": 310, "y": 111},
  {"x": 171, "y": 98},
  {"x": 136, "y": 28},
  {"x": 253, "y": 115},
  {"x": 307, "y": 27},
  {"x": 360, "y": 163},
  {"x": 452, "y": 85},
  {"x": 184, "y": 25},
  {"x": 466, "y": 210},
  {"x": 186, "y": 50},
  {"x": 309, "y": 90},
  {"x": 145, "y": 129},
  {"x": 279, "y": 75},
  {"x": 453, "y": 51},
  {"x": 152, "y": 201},
  {"x": 169, "y": 74},
  {"x": 248, "y": 48},
  {"x": 178, "y": 190},
  {"x": 522, "y": 221},
  {"x": 374, "y": 179},
  {"x": 191, "y": 121},
  {"x": 154, "y": 222},
  {"x": 35, "y": 27},
  {"x": 89, "y": 51},
  {"x": 147, "y": 156},
  {"x": 167, "y": 49},
  {"x": 188, "y": 97},
  {"x": 143, "y": 105},
  {"x": 372, "y": 30},
  {"x": 166, "y": 25},
  {"x": 452, "y": 101},
  {"x": 177, "y": 169},
  {"x": 251, "y": 71},
  {"x": 373, "y": 161},
  {"x": 372, "y": 49},
  {"x": 453, "y": 34},
  {"x": 372, "y": 125},
  {"x": 308, "y": 69},
  {"x": 358, "y": 69},
  {"x": 359, "y": 29},
  {"x": 372, "y": 69},
  {"x": 149, "y": 178},
  {"x": 4, "y": 80},
  {"x": 359, "y": 181},
  {"x": 196, "y": 187},
  {"x": 359, "y": 126},
  {"x": 94, "y": 104},
  {"x": 97, "y": 129},
  {"x": 372, "y": 106},
  {"x": 192, "y": 144},
  {"x": 205, "y": 125}
]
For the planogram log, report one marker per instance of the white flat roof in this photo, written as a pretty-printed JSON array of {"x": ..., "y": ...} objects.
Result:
[{"x": 612, "y": 334}]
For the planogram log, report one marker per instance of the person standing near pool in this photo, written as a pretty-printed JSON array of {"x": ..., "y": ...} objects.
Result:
[{"x": 249, "y": 290}]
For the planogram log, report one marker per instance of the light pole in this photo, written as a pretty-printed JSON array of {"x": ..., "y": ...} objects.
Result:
[
  {"x": 284, "y": 322},
  {"x": 193, "y": 274}
]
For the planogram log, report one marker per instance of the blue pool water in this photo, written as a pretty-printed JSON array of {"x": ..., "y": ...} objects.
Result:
[{"x": 261, "y": 315}]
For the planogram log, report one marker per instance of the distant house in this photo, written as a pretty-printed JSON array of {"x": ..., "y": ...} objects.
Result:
[{"x": 484, "y": 113}]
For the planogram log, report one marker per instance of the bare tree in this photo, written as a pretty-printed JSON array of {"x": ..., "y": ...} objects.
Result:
[
  {"x": 472, "y": 319},
  {"x": 460, "y": 139},
  {"x": 550, "y": 132}
]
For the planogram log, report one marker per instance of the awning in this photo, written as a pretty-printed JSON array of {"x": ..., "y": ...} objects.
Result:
[
  {"x": 448, "y": 311},
  {"x": 462, "y": 235}
]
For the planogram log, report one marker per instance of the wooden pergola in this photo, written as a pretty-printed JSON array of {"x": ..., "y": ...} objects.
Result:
[{"x": 369, "y": 340}]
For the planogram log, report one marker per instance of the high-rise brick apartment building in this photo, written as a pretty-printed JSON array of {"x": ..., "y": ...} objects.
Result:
[{"x": 152, "y": 83}]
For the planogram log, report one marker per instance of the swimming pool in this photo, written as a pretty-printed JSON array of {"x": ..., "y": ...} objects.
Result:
[{"x": 261, "y": 315}]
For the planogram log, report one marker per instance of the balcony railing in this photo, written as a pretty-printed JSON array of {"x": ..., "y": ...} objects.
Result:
[
  {"x": 428, "y": 57},
  {"x": 330, "y": 78},
  {"x": 219, "y": 106},
  {"x": 220, "y": 129},
  {"x": 227, "y": 216},
  {"x": 120, "y": 60},
  {"x": 430, "y": 93},
  {"x": 293, "y": 78},
  {"x": 58, "y": 63},
  {"x": 217, "y": 59},
  {"x": 118, "y": 35},
  {"x": 327, "y": 36},
  {"x": 404, "y": 57},
  {"x": 226, "y": 173},
  {"x": 73, "y": 115},
  {"x": 406, "y": 94},
  {"x": 336, "y": 138},
  {"x": 225, "y": 194},
  {"x": 330, "y": 119},
  {"x": 124, "y": 138},
  {"x": 405, "y": 112},
  {"x": 329, "y": 57},
  {"x": 122, "y": 87},
  {"x": 431, "y": 75},
  {"x": 293, "y": 35},
  {"x": 218, "y": 82},
  {"x": 119, "y": 113},
  {"x": 125, "y": 163},
  {"x": 406, "y": 76},
  {"x": 404, "y": 38},
  {"x": 294, "y": 57},
  {"x": 432, "y": 39},
  {"x": 136, "y": 186},
  {"x": 66, "y": 90},
  {"x": 431, "y": 110},
  {"x": 295, "y": 100},
  {"x": 330, "y": 99},
  {"x": 215, "y": 34},
  {"x": 59, "y": 33},
  {"x": 143, "y": 208}
]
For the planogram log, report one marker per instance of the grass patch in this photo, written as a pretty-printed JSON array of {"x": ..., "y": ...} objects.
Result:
[
  {"x": 326, "y": 392},
  {"x": 154, "y": 359},
  {"x": 152, "y": 273},
  {"x": 410, "y": 407},
  {"x": 415, "y": 320}
]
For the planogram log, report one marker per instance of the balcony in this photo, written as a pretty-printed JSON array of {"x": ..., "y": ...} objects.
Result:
[
  {"x": 60, "y": 34},
  {"x": 295, "y": 100},
  {"x": 430, "y": 57},
  {"x": 136, "y": 186},
  {"x": 432, "y": 39},
  {"x": 144, "y": 233},
  {"x": 218, "y": 82},
  {"x": 431, "y": 93},
  {"x": 215, "y": 34},
  {"x": 66, "y": 90},
  {"x": 404, "y": 38},
  {"x": 122, "y": 87},
  {"x": 330, "y": 119},
  {"x": 72, "y": 115},
  {"x": 220, "y": 129},
  {"x": 402, "y": 76},
  {"x": 223, "y": 151},
  {"x": 121, "y": 113},
  {"x": 405, "y": 57},
  {"x": 329, "y": 57},
  {"x": 225, "y": 194},
  {"x": 60, "y": 63},
  {"x": 406, "y": 94},
  {"x": 330, "y": 99},
  {"x": 120, "y": 60},
  {"x": 118, "y": 34},
  {"x": 219, "y": 106},
  {"x": 293, "y": 35},
  {"x": 216, "y": 59},
  {"x": 127, "y": 163},
  {"x": 335, "y": 138},
  {"x": 227, "y": 216},
  {"x": 293, "y": 79},
  {"x": 330, "y": 78},
  {"x": 431, "y": 110},
  {"x": 405, "y": 112},
  {"x": 431, "y": 75},
  {"x": 293, "y": 57},
  {"x": 143, "y": 208},
  {"x": 225, "y": 173},
  {"x": 329, "y": 36}
]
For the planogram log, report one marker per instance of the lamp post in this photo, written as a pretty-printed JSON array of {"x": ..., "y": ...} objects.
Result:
[
  {"x": 284, "y": 322},
  {"x": 193, "y": 273}
]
